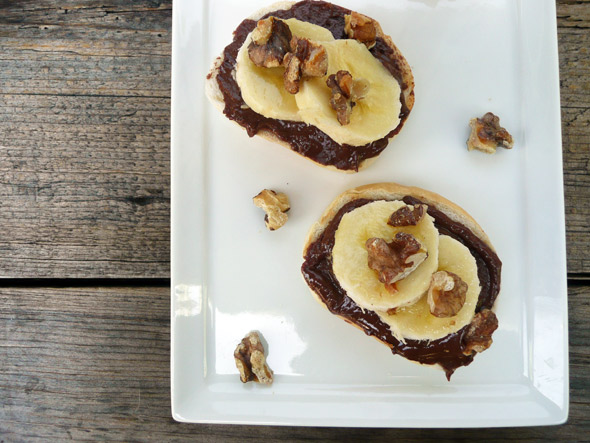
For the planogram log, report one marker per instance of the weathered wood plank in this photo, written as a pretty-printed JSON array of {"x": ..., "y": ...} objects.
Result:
[
  {"x": 573, "y": 19},
  {"x": 576, "y": 155},
  {"x": 84, "y": 187},
  {"x": 120, "y": 48},
  {"x": 84, "y": 139},
  {"x": 93, "y": 363}
]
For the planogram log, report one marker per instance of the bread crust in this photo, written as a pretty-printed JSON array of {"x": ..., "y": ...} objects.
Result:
[
  {"x": 214, "y": 94},
  {"x": 395, "y": 191}
]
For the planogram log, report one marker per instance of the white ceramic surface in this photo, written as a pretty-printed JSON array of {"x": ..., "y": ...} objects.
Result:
[{"x": 230, "y": 275}]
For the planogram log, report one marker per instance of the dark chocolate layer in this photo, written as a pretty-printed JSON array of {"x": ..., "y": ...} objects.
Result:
[
  {"x": 305, "y": 139},
  {"x": 447, "y": 351}
]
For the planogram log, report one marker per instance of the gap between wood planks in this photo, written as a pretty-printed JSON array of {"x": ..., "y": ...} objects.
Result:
[
  {"x": 82, "y": 282},
  {"x": 573, "y": 280}
]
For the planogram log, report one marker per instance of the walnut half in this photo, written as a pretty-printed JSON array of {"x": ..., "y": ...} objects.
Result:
[
  {"x": 270, "y": 42},
  {"x": 306, "y": 59},
  {"x": 487, "y": 134},
  {"x": 250, "y": 360},
  {"x": 395, "y": 260},
  {"x": 407, "y": 216},
  {"x": 345, "y": 93},
  {"x": 361, "y": 28},
  {"x": 478, "y": 336},
  {"x": 275, "y": 205},
  {"x": 446, "y": 294}
]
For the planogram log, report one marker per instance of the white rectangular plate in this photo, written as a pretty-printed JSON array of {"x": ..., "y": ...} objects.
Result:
[{"x": 230, "y": 275}]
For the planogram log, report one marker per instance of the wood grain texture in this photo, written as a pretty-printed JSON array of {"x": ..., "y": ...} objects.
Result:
[
  {"x": 84, "y": 138},
  {"x": 573, "y": 21},
  {"x": 93, "y": 364}
]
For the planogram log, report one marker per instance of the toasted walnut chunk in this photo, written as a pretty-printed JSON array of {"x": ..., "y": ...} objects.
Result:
[
  {"x": 306, "y": 59},
  {"x": 487, "y": 134},
  {"x": 292, "y": 74},
  {"x": 361, "y": 28},
  {"x": 446, "y": 294},
  {"x": 263, "y": 30},
  {"x": 407, "y": 216},
  {"x": 250, "y": 360},
  {"x": 478, "y": 336},
  {"x": 345, "y": 93},
  {"x": 396, "y": 260},
  {"x": 270, "y": 42},
  {"x": 313, "y": 56},
  {"x": 275, "y": 205}
]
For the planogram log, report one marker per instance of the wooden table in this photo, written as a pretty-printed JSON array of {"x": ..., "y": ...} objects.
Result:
[{"x": 84, "y": 237}]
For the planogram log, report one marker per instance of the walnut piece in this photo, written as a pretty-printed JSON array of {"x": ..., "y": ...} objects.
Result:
[
  {"x": 250, "y": 360},
  {"x": 345, "y": 93},
  {"x": 270, "y": 42},
  {"x": 395, "y": 260},
  {"x": 478, "y": 336},
  {"x": 446, "y": 294},
  {"x": 361, "y": 28},
  {"x": 292, "y": 74},
  {"x": 487, "y": 134},
  {"x": 275, "y": 205},
  {"x": 407, "y": 216},
  {"x": 306, "y": 59}
]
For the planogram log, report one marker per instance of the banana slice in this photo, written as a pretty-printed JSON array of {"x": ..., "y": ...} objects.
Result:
[
  {"x": 350, "y": 257},
  {"x": 416, "y": 321},
  {"x": 309, "y": 30},
  {"x": 373, "y": 117},
  {"x": 262, "y": 88}
]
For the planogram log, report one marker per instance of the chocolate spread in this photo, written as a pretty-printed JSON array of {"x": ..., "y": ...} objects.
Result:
[
  {"x": 447, "y": 351},
  {"x": 305, "y": 139}
]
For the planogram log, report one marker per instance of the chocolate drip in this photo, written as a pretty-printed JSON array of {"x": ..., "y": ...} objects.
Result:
[{"x": 447, "y": 351}]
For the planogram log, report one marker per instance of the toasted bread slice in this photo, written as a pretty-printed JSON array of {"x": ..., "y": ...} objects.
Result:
[
  {"x": 216, "y": 96},
  {"x": 338, "y": 303}
]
